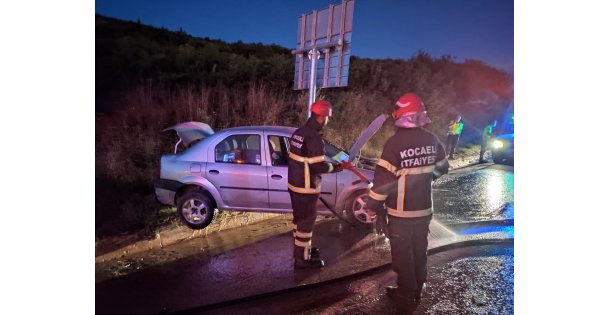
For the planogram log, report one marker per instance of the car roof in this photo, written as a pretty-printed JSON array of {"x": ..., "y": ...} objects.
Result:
[{"x": 284, "y": 129}]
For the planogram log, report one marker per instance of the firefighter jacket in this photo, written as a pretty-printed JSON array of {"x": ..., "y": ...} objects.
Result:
[
  {"x": 455, "y": 128},
  {"x": 410, "y": 160},
  {"x": 307, "y": 159}
]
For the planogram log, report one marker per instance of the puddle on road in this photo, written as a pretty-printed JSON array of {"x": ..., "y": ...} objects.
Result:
[
  {"x": 480, "y": 195},
  {"x": 472, "y": 280},
  {"x": 480, "y": 284}
]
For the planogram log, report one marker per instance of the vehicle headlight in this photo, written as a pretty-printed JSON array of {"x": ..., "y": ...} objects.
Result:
[{"x": 497, "y": 144}]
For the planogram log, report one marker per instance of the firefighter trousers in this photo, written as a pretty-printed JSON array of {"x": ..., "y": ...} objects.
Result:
[
  {"x": 452, "y": 143},
  {"x": 409, "y": 242},
  {"x": 304, "y": 216},
  {"x": 484, "y": 147}
]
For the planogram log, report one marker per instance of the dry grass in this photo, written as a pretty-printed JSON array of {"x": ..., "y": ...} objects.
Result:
[{"x": 129, "y": 141}]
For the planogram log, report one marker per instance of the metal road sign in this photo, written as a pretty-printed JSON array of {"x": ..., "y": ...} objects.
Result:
[{"x": 323, "y": 49}]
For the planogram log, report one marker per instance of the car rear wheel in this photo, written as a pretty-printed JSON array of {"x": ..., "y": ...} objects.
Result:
[
  {"x": 196, "y": 210},
  {"x": 356, "y": 209}
]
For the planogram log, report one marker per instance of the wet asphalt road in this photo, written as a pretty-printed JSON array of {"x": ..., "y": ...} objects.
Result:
[
  {"x": 470, "y": 280},
  {"x": 256, "y": 258},
  {"x": 479, "y": 193}
]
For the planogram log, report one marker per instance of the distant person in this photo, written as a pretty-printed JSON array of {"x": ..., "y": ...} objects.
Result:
[
  {"x": 486, "y": 135},
  {"x": 306, "y": 164},
  {"x": 454, "y": 131},
  {"x": 411, "y": 159}
]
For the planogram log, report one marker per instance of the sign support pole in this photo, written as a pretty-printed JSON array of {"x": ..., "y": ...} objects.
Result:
[
  {"x": 313, "y": 55},
  {"x": 324, "y": 33}
]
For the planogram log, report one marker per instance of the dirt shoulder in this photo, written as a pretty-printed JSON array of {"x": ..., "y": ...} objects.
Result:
[{"x": 126, "y": 244}]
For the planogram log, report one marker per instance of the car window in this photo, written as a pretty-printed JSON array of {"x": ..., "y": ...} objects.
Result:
[
  {"x": 277, "y": 146},
  {"x": 239, "y": 149}
]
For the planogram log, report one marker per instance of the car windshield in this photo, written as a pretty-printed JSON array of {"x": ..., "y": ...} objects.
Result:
[{"x": 335, "y": 153}]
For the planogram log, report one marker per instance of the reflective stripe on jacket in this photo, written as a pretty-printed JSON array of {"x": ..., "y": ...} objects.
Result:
[
  {"x": 410, "y": 160},
  {"x": 307, "y": 159},
  {"x": 455, "y": 128}
]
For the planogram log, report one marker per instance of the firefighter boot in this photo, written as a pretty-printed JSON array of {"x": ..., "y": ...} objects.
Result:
[
  {"x": 406, "y": 306},
  {"x": 314, "y": 253},
  {"x": 393, "y": 292},
  {"x": 300, "y": 261},
  {"x": 309, "y": 263},
  {"x": 419, "y": 293},
  {"x": 406, "y": 303}
]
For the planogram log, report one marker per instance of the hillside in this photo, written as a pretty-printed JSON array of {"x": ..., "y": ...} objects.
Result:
[
  {"x": 149, "y": 78},
  {"x": 129, "y": 53}
]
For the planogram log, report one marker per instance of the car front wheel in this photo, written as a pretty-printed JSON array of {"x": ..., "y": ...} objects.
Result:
[
  {"x": 196, "y": 210},
  {"x": 356, "y": 209},
  {"x": 502, "y": 159}
]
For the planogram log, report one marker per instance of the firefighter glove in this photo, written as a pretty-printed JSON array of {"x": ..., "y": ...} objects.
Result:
[{"x": 337, "y": 167}]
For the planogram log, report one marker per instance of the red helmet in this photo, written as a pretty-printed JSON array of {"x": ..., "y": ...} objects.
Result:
[
  {"x": 321, "y": 108},
  {"x": 409, "y": 103}
]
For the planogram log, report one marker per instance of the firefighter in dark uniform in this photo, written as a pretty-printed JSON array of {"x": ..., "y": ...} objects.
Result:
[
  {"x": 306, "y": 163},
  {"x": 401, "y": 193}
]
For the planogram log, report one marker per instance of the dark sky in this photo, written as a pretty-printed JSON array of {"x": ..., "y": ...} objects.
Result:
[{"x": 465, "y": 29}]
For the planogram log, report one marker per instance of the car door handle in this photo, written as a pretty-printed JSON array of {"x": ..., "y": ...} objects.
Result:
[
  {"x": 276, "y": 177},
  {"x": 214, "y": 172}
]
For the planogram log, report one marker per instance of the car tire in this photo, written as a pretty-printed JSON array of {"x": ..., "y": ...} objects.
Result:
[
  {"x": 355, "y": 209},
  {"x": 502, "y": 159},
  {"x": 196, "y": 210}
]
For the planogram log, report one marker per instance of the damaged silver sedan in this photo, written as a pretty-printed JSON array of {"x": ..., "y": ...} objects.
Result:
[{"x": 245, "y": 169}]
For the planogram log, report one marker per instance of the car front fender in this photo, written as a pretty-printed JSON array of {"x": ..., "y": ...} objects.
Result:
[{"x": 349, "y": 183}]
